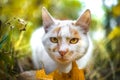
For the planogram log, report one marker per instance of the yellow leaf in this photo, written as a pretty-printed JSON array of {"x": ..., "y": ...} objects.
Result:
[
  {"x": 74, "y": 74},
  {"x": 114, "y": 33},
  {"x": 116, "y": 10},
  {"x": 40, "y": 75}
]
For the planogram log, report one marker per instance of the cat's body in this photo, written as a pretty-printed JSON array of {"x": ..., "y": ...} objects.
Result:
[{"x": 58, "y": 43}]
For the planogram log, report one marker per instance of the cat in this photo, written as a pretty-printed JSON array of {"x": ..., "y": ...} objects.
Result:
[{"x": 58, "y": 43}]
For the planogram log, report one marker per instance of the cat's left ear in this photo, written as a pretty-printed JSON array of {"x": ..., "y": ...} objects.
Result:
[
  {"x": 84, "y": 20},
  {"x": 47, "y": 19}
]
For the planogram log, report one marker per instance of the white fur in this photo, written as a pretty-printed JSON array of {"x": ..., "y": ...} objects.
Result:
[
  {"x": 86, "y": 58},
  {"x": 39, "y": 55}
]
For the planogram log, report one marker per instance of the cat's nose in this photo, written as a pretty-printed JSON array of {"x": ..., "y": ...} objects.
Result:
[{"x": 62, "y": 53}]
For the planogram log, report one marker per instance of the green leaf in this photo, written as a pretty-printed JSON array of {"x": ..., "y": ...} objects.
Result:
[{"x": 4, "y": 38}]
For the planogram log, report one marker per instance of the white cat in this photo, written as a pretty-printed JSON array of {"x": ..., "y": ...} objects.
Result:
[{"x": 60, "y": 42}]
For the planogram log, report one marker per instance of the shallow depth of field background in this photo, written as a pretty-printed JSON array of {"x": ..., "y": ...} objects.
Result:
[{"x": 19, "y": 18}]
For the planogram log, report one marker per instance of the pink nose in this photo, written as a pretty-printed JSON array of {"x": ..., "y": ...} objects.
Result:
[{"x": 62, "y": 53}]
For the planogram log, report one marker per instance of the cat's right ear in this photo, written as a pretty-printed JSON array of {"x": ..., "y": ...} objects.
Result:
[{"x": 47, "y": 19}]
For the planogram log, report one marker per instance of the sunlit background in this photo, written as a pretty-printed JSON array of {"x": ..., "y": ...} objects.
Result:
[{"x": 19, "y": 18}]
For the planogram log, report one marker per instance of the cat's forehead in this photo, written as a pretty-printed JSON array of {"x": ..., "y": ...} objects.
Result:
[
  {"x": 62, "y": 25},
  {"x": 64, "y": 22},
  {"x": 65, "y": 29}
]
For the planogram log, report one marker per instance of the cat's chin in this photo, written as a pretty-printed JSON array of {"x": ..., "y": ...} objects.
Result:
[{"x": 62, "y": 60}]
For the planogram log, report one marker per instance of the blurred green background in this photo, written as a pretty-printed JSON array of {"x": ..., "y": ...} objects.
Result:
[{"x": 19, "y": 18}]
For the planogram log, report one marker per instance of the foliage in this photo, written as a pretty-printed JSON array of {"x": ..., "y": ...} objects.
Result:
[{"x": 106, "y": 59}]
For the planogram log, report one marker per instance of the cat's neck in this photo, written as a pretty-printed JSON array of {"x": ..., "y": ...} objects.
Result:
[{"x": 65, "y": 68}]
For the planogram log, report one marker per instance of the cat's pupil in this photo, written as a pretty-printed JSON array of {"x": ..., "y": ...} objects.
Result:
[
  {"x": 74, "y": 40},
  {"x": 54, "y": 39}
]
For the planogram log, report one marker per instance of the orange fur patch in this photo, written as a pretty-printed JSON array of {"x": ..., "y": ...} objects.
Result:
[
  {"x": 75, "y": 33},
  {"x": 55, "y": 48},
  {"x": 56, "y": 30}
]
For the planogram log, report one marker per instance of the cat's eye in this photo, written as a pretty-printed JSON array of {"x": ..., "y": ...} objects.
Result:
[
  {"x": 74, "y": 40},
  {"x": 54, "y": 39}
]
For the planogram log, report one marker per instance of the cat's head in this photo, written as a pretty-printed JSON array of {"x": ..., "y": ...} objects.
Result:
[{"x": 66, "y": 40}]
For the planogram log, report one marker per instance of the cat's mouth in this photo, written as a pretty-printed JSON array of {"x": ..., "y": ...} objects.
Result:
[{"x": 62, "y": 60}]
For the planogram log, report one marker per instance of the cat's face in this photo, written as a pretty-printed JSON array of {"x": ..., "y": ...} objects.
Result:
[{"x": 65, "y": 41}]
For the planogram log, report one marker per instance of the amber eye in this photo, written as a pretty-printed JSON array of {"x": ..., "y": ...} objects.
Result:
[
  {"x": 54, "y": 39},
  {"x": 74, "y": 40}
]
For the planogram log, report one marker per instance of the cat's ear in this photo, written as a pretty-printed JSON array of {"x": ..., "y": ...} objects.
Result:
[
  {"x": 47, "y": 19},
  {"x": 84, "y": 20}
]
